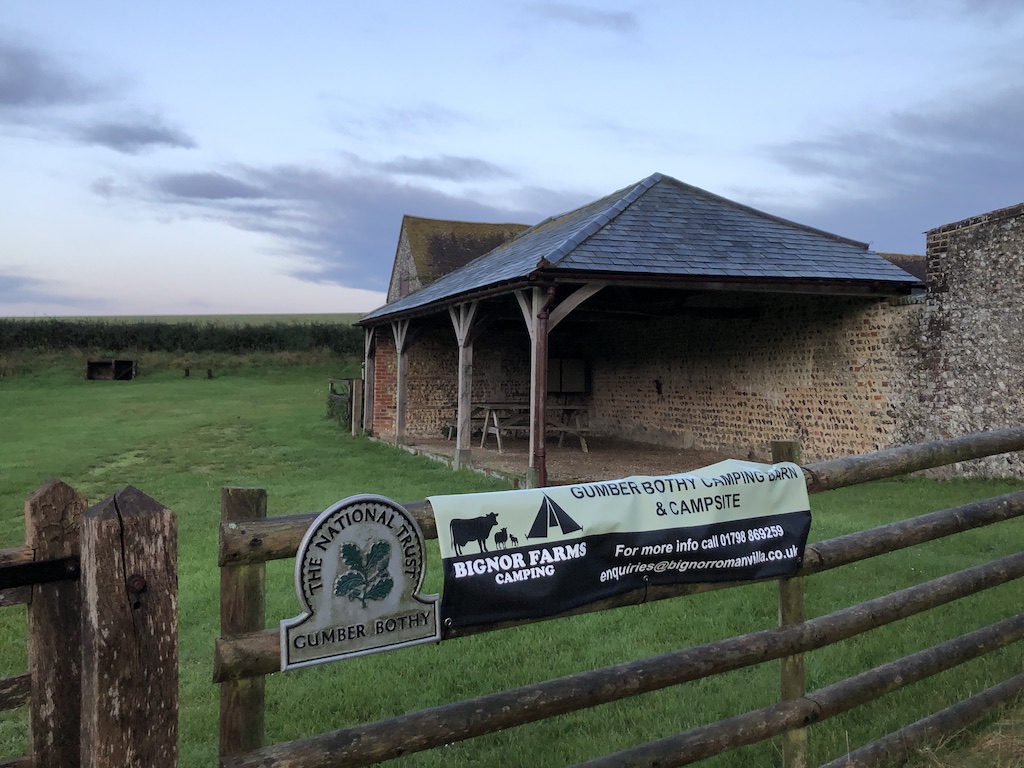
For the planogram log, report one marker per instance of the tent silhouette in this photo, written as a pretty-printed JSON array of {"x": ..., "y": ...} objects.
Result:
[{"x": 548, "y": 515}]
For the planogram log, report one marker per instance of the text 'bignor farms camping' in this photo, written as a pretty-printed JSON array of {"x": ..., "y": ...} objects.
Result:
[{"x": 539, "y": 552}]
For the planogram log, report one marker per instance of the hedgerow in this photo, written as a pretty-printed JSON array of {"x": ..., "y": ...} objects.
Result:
[{"x": 155, "y": 336}]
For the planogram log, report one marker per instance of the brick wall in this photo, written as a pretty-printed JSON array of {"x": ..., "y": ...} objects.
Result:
[
  {"x": 385, "y": 371},
  {"x": 501, "y": 373},
  {"x": 972, "y": 336}
]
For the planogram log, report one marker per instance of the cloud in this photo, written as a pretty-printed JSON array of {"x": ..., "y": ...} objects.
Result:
[
  {"x": 582, "y": 16},
  {"x": 30, "y": 79},
  {"x": 18, "y": 289},
  {"x": 42, "y": 95},
  {"x": 134, "y": 135},
  {"x": 994, "y": 8},
  {"x": 337, "y": 226},
  {"x": 208, "y": 186},
  {"x": 445, "y": 167},
  {"x": 361, "y": 122},
  {"x": 987, "y": 10},
  {"x": 915, "y": 170},
  {"x": 987, "y": 13}
]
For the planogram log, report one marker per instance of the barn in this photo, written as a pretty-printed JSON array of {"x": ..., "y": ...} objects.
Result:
[{"x": 660, "y": 313}]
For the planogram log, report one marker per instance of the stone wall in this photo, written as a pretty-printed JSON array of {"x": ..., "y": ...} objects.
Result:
[
  {"x": 835, "y": 373},
  {"x": 972, "y": 337},
  {"x": 826, "y": 371},
  {"x": 404, "y": 279}
]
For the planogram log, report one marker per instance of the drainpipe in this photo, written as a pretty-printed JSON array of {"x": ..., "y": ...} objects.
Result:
[{"x": 540, "y": 406}]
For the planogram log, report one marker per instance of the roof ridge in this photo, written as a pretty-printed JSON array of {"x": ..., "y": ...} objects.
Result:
[{"x": 601, "y": 219}]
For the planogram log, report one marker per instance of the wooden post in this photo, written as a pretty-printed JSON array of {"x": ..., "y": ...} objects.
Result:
[
  {"x": 530, "y": 304},
  {"x": 538, "y": 407},
  {"x": 400, "y": 331},
  {"x": 369, "y": 360},
  {"x": 129, "y": 633},
  {"x": 52, "y": 521},
  {"x": 243, "y": 591},
  {"x": 356, "y": 397},
  {"x": 462, "y": 321},
  {"x": 793, "y": 680}
]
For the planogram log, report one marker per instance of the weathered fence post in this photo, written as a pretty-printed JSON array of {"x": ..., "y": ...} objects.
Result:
[
  {"x": 129, "y": 633},
  {"x": 52, "y": 520},
  {"x": 793, "y": 682},
  {"x": 242, "y": 609},
  {"x": 355, "y": 397}
]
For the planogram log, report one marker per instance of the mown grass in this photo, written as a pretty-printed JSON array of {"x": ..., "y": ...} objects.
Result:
[{"x": 260, "y": 422}]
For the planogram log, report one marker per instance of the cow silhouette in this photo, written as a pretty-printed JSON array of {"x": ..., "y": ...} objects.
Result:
[
  {"x": 476, "y": 529},
  {"x": 501, "y": 538},
  {"x": 514, "y": 540}
]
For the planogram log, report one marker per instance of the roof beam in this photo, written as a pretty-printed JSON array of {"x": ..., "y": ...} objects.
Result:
[{"x": 573, "y": 300}]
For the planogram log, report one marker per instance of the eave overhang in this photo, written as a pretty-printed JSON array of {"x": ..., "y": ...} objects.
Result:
[{"x": 548, "y": 276}]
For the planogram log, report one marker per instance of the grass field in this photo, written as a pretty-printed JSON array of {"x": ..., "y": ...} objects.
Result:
[{"x": 260, "y": 422}]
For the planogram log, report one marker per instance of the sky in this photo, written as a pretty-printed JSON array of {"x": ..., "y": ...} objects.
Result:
[{"x": 194, "y": 158}]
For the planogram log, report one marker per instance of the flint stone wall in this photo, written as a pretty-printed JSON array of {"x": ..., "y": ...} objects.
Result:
[{"x": 972, "y": 335}]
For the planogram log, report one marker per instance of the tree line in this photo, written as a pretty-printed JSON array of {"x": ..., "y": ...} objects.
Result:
[{"x": 184, "y": 336}]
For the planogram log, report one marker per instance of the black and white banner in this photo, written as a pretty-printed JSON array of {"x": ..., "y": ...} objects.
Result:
[{"x": 538, "y": 552}]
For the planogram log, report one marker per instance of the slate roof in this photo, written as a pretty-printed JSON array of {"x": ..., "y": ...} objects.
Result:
[
  {"x": 662, "y": 228},
  {"x": 913, "y": 263}
]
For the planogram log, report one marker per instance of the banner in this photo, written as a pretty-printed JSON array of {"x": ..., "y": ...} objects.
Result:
[{"x": 541, "y": 551}]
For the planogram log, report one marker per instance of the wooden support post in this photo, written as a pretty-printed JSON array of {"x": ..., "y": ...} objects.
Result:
[
  {"x": 462, "y": 321},
  {"x": 400, "y": 330},
  {"x": 538, "y": 410},
  {"x": 793, "y": 679},
  {"x": 52, "y": 522},
  {"x": 356, "y": 396},
  {"x": 243, "y": 597},
  {"x": 529, "y": 304},
  {"x": 129, "y": 633}
]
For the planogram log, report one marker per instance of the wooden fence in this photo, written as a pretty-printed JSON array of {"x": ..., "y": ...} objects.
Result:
[
  {"x": 101, "y": 588},
  {"x": 247, "y": 651},
  {"x": 345, "y": 403}
]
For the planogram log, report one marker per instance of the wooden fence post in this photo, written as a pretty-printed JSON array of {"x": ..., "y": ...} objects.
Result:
[
  {"x": 129, "y": 633},
  {"x": 355, "y": 397},
  {"x": 793, "y": 679},
  {"x": 52, "y": 521},
  {"x": 242, "y": 609}
]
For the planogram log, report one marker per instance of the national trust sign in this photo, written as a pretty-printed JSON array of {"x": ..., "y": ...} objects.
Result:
[{"x": 358, "y": 573}]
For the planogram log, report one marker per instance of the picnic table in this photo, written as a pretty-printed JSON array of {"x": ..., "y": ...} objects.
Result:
[
  {"x": 503, "y": 417},
  {"x": 515, "y": 417},
  {"x": 568, "y": 420}
]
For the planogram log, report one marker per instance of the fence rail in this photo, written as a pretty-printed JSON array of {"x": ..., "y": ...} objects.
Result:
[
  {"x": 761, "y": 724},
  {"x": 255, "y": 653},
  {"x": 258, "y": 652},
  {"x": 277, "y": 538}
]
